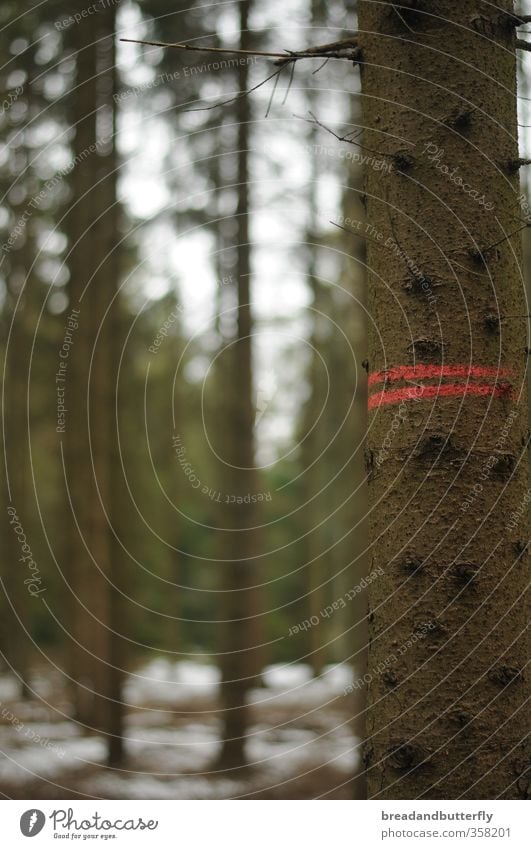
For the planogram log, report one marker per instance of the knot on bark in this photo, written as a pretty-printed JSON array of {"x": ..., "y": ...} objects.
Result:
[
  {"x": 504, "y": 465},
  {"x": 389, "y": 678},
  {"x": 460, "y": 717},
  {"x": 403, "y": 161},
  {"x": 418, "y": 285},
  {"x": 483, "y": 257},
  {"x": 427, "y": 349},
  {"x": 505, "y": 675},
  {"x": 432, "y": 626},
  {"x": 433, "y": 445},
  {"x": 513, "y": 165},
  {"x": 411, "y": 564},
  {"x": 465, "y": 573},
  {"x": 483, "y": 25},
  {"x": 460, "y": 119},
  {"x": 404, "y": 755},
  {"x": 492, "y": 322},
  {"x": 368, "y": 456},
  {"x": 521, "y": 546},
  {"x": 367, "y": 754}
]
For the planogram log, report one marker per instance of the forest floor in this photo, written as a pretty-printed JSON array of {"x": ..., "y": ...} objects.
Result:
[{"x": 301, "y": 742}]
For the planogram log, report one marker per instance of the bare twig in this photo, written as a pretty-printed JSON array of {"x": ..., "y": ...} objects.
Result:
[
  {"x": 290, "y": 81},
  {"x": 349, "y": 137},
  {"x": 269, "y": 105},
  {"x": 354, "y": 233},
  {"x": 196, "y": 49},
  {"x": 346, "y": 49},
  {"x": 238, "y": 96},
  {"x": 523, "y": 45},
  {"x": 346, "y": 230},
  {"x": 465, "y": 268},
  {"x": 321, "y": 66},
  {"x": 503, "y": 239}
]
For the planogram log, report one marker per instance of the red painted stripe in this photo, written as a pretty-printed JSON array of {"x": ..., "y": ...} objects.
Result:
[
  {"x": 425, "y": 371},
  {"x": 414, "y": 393}
]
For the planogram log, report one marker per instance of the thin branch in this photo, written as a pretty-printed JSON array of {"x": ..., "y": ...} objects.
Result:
[
  {"x": 238, "y": 96},
  {"x": 290, "y": 81},
  {"x": 354, "y": 233},
  {"x": 269, "y": 105},
  {"x": 321, "y": 66},
  {"x": 195, "y": 49},
  {"x": 523, "y": 45},
  {"x": 344, "y": 138},
  {"x": 503, "y": 239},
  {"x": 465, "y": 268},
  {"x": 346, "y": 230},
  {"x": 346, "y": 49}
]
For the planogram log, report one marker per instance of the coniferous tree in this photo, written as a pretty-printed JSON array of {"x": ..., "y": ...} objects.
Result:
[{"x": 447, "y": 714}]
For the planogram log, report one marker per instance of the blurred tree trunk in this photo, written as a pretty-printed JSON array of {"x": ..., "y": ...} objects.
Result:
[
  {"x": 15, "y": 619},
  {"x": 313, "y": 439},
  {"x": 312, "y": 444},
  {"x": 447, "y": 712},
  {"x": 106, "y": 373},
  {"x": 92, "y": 462},
  {"x": 77, "y": 466},
  {"x": 241, "y": 654}
]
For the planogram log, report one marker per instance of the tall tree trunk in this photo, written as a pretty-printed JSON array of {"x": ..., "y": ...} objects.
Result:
[
  {"x": 313, "y": 443},
  {"x": 448, "y": 492},
  {"x": 106, "y": 374},
  {"x": 73, "y": 374},
  {"x": 15, "y": 617},
  {"x": 315, "y": 440},
  {"x": 240, "y": 650},
  {"x": 92, "y": 462}
]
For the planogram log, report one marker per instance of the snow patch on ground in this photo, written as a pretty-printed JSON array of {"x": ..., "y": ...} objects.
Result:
[
  {"x": 168, "y": 683},
  {"x": 19, "y": 765},
  {"x": 172, "y": 748}
]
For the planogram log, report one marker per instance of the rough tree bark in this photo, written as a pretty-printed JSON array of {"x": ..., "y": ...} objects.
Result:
[{"x": 448, "y": 478}]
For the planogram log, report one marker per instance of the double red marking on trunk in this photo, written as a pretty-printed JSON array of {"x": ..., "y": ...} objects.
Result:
[{"x": 422, "y": 391}]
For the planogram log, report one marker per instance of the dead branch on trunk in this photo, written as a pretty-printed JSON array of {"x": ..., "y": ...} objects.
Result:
[{"x": 346, "y": 49}]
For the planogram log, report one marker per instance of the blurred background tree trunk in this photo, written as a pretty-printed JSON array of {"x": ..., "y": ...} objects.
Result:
[
  {"x": 91, "y": 449},
  {"x": 239, "y": 662}
]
